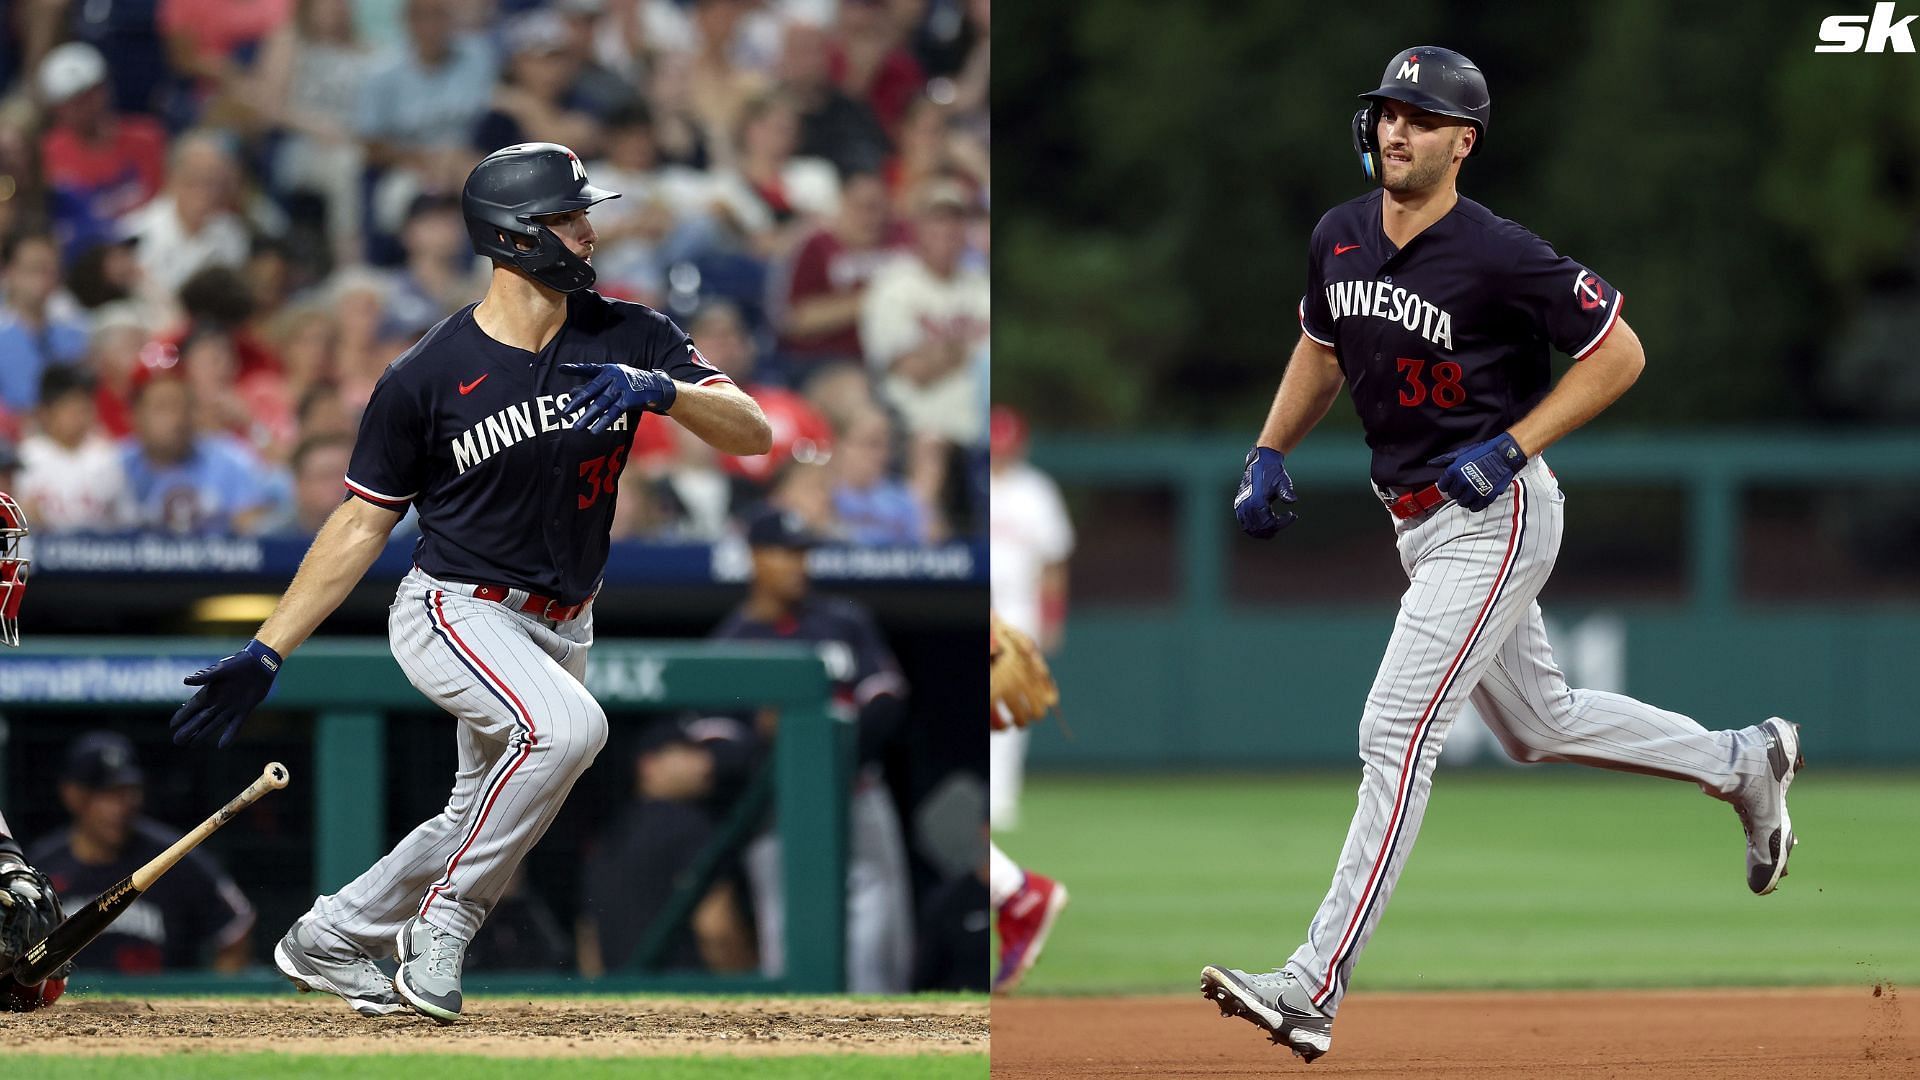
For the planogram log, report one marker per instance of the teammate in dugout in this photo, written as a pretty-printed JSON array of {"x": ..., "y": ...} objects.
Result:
[
  {"x": 506, "y": 427},
  {"x": 1437, "y": 316}
]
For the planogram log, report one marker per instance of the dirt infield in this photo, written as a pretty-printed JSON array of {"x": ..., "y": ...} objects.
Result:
[
  {"x": 319, "y": 1024},
  {"x": 1675, "y": 1035}
]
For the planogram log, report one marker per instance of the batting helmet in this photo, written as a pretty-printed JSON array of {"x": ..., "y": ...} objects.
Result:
[
  {"x": 1426, "y": 77},
  {"x": 510, "y": 190}
]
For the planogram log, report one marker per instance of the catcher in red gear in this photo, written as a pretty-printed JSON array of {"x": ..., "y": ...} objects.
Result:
[{"x": 29, "y": 908}]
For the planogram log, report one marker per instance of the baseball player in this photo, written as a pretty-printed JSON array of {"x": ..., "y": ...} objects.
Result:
[
  {"x": 869, "y": 690},
  {"x": 29, "y": 906},
  {"x": 1437, "y": 316},
  {"x": 506, "y": 428},
  {"x": 1025, "y": 904}
]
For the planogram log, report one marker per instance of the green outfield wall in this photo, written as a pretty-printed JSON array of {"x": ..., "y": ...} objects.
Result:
[{"x": 1211, "y": 679}]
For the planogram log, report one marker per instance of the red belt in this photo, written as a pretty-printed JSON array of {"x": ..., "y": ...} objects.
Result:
[
  {"x": 1415, "y": 503},
  {"x": 533, "y": 605}
]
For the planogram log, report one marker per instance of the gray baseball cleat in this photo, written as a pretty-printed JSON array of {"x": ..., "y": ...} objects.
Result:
[
  {"x": 1763, "y": 811},
  {"x": 1275, "y": 1002},
  {"x": 356, "y": 979},
  {"x": 429, "y": 975}
]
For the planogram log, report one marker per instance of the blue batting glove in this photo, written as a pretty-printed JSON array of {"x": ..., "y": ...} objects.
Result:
[
  {"x": 229, "y": 690},
  {"x": 1265, "y": 480},
  {"x": 611, "y": 390},
  {"x": 1476, "y": 475}
]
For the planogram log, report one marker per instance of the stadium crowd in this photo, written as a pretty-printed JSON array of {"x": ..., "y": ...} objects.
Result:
[{"x": 223, "y": 220}]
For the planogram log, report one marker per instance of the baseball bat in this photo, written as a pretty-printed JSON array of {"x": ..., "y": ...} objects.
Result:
[{"x": 79, "y": 929}]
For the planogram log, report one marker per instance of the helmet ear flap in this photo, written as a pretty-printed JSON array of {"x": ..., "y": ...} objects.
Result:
[{"x": 1365, "y": 123}]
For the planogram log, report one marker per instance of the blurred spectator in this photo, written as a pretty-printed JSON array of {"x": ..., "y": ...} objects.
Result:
[
  {"x": 126, "y": 35},
  {"x": 597, "y": 88},
  {"x": 871, "y": 61},
  {"x": 303, "y": 337},
  {"x": 806, "y": 490},
  {"x": 98, "y": 165},
  {"x": 214, "y": 44},
  {"x": 726, "y": 63},
  {"x": 193, "y": 917},
  {"x": 418, "y": 109},
  {"x": 798, "y": 428},
  {"x": 664, "y": 213},
  {"x": 310, "y": 73},
  {"x": 441, "y": 274},
  {"x": 184, "y": 483},
  {"x": 323, "y": 412},
  {"x": 674, "y": 490},
  {"x": 953, "y": 936},
  {"x": 536, "y": 102},
  {"x": 922, "y": 319},
  {"x": 815, "y": 296},
  {"x": 358, "y": 301},
  {"x": 635, "y": 865},
  {"x": 113, "y": 354},
  {"x": 319, "y": 474},
  {"x": 868, "y": 689},
  {"x": 71, "y": 478},
  {"x": 928, "y": 149},
  {"x": 105, "y": 273},
  {"x": 774, "y": 197},
  {"x": 679, "y": 133},
  {"x": 840, "y": 391},
  {"x": 872, "y": 506},
  {"x": 32, "y": 337},
  {"x": 618, "y": 32},
  {"x": 9, "y": 467},
  {"x": 223, "y": 298},
  {"x": 192, "y": 225},
  {"x": 833, "y": 125}
]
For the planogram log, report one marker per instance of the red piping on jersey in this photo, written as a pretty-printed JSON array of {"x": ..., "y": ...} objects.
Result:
[
  {"x": 1406, "y": 761},
  {"x": 526, "y": 749},
  {"x": 1613, "y": 320},
  {"x": 1301, "y": 313},
  {"x": 385, "y": 502}
]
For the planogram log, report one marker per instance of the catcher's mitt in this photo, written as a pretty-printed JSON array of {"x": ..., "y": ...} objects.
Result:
[
  {"x": 1022, "y": 687},
  {"x": 29, "y": 910}
]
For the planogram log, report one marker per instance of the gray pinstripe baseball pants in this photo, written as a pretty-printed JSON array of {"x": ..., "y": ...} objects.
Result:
[
  {"x": 1468, "y": 626},
  {"x": 528, "y": 729}
]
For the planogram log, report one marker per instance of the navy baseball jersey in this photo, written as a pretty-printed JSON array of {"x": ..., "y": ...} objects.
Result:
[
  {"x": 476, "y": 436},
  {"x": 858, "y": 661},
  {"x": 1444, "y": 343}
]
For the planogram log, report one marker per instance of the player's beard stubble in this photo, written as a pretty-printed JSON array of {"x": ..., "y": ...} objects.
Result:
[{"x": 1424, "y": 172}]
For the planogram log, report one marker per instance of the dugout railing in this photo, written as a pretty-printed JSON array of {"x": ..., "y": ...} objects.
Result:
[{"x": 351, "y": 686}]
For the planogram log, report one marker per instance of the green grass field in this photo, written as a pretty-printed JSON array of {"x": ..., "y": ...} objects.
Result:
[
  {"x": 467, "y": 1067},
  {"x": 1551, "y": 877}
]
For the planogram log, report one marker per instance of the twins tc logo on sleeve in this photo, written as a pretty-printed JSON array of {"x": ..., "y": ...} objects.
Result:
[{"x": 1589, "y": 290}]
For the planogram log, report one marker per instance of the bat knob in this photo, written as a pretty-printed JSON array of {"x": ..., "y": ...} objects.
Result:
[{"x": 276, "y": 774}]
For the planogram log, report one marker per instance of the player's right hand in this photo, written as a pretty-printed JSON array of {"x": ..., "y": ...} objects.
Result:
[
  {"x": 1265, "y": 480},
  {"x": 229, "y": 690}
]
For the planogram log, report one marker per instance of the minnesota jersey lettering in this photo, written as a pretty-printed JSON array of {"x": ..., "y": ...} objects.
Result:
[
  {"x": 1379, "y": 300},
  {"x": 543, "y": 415}
]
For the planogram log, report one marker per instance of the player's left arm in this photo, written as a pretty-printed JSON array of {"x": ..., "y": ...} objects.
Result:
[
  {"x": 1584, "y": 392},
  {"x": 724, "y": 416}
]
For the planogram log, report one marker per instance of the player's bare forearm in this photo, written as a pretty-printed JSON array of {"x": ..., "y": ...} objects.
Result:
[
  {"x": 1307, "y": 390},
  {"x": 1584, "y": 392},
  {"x": 724, "y": 417},
  {"x": 339, "y": 556}
]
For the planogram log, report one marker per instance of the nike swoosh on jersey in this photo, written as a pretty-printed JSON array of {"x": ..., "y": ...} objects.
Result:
[
  {"x": 1342, "y": 249},
  {"x": 467, "y": 387}
]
